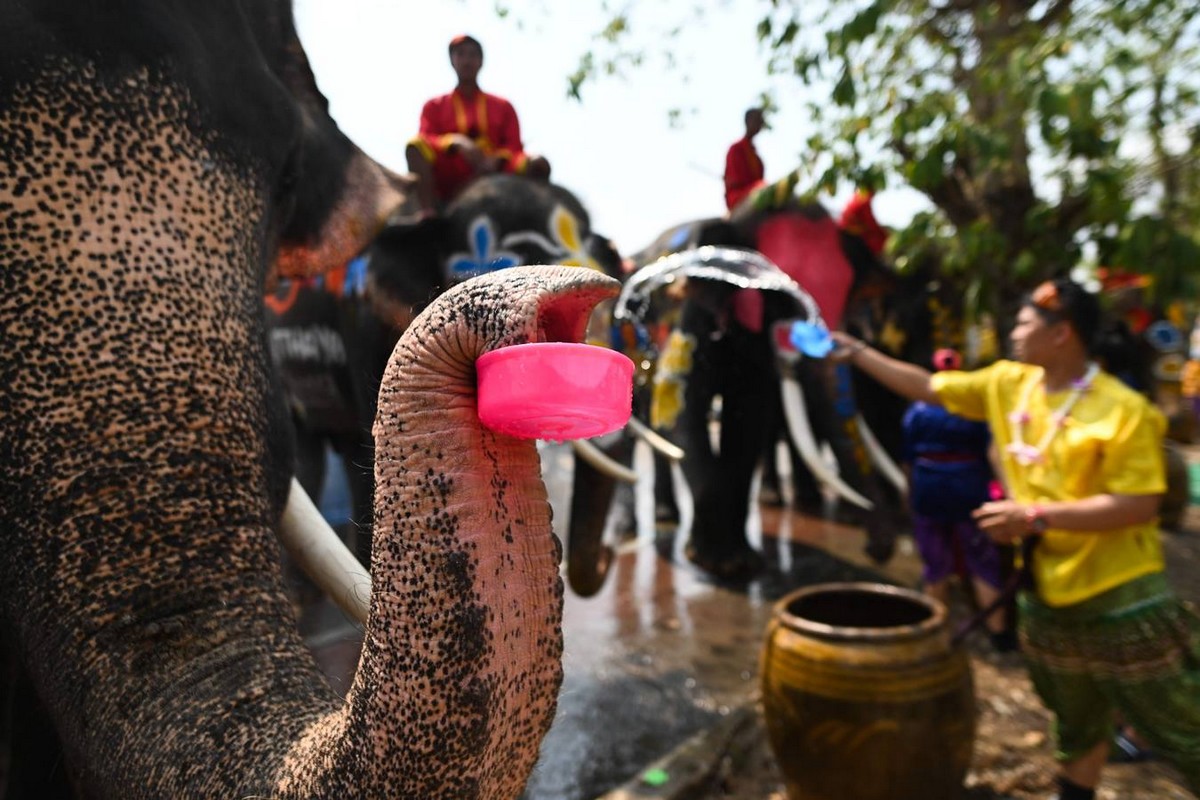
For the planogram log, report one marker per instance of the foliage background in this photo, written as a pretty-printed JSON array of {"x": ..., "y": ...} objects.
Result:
[{"x": 1047, "y": 135}]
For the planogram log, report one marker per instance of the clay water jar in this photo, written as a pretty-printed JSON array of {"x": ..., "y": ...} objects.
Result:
[{"x": 864, "y": 697}]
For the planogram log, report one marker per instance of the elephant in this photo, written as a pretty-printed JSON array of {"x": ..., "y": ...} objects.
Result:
[
  {"x": 160, "y": 164},
  {"x": 331, "y": 335},
  {"x": 726, "y": 342},
  {"x": 330, "y": 351},
  {"x": 909, "y": 317}
]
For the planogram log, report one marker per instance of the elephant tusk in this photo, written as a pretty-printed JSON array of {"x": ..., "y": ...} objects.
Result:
[
  {"x": 594, "y": 456},
  {"x": 321, "y": 554},
  {"x": 881, "y": 458},
  {"x": 655, "y": 439},
  {"x": 801, "y": 430}
]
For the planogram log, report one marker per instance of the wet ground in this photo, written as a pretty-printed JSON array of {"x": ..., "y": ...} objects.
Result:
[
  {"x": 661, "y": 667},
  {"x": 660, "y": 654}
]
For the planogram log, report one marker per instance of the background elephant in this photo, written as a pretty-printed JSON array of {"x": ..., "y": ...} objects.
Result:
[
  {"x": 155, "y": 161},
  {"x": 330, "y": 350},
  {"x": 331, "y": 336},
  {"x": 724, "y": 343},
  {"x": 909, "y": 316}
]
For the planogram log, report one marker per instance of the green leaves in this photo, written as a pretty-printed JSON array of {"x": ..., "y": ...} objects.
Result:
[
  {"x": 1038, "y": 131},
  {"x": 764, "y": 29},
  {"x": 843, "y": 91},
  {"x": 615, "y": 28},
  {"x": 999, "y": 120},
  {"x": 863, "y": 25}
]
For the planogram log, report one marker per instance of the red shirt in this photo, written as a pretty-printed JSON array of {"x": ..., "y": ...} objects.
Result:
[
  {"x": 490, "y": 121},
  {"x": 743, "y": 171}
]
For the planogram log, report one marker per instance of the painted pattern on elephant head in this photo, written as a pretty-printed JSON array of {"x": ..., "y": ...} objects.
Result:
[
  {"x": 485, "y": 254},
  {"x": 562, "y": 243},
  {"x": 497, "y": 222}
]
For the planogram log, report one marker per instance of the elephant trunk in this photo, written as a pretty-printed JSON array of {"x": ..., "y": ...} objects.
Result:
[
  {"x": 588, "y": 558},
  {"x": 461, "y": 666}
]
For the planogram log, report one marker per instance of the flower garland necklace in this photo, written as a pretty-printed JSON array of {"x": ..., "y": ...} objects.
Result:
[{"x": 1027, "y": 454}]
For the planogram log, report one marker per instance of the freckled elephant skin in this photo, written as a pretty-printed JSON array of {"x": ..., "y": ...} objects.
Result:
[{"x": 141, "y": 199}]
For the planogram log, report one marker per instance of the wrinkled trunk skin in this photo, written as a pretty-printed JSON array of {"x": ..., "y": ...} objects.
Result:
[{"x": 464, "y": 638}]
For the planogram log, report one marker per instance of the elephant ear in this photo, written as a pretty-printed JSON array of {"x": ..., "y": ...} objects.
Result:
[{"x": 337, "y": 197}]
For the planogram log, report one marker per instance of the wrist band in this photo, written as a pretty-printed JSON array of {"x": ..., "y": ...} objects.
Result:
[{"x": 1035, "y": 519}]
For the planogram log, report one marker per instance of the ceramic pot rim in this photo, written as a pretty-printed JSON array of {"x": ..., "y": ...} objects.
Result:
[{"x": 935, "y": 621}]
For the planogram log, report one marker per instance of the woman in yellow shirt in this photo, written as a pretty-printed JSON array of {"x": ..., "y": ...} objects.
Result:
[{"x": 1081, "y": 455}]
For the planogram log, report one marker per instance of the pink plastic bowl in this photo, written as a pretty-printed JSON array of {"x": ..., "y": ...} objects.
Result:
[{"x": 554, "y": 390}]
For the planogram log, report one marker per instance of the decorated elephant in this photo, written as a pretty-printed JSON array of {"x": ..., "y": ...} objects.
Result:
[
  {"x": 498, "y": 221},
  {"x": 159, "y": 163},
  {"x": 331, "y": 335},
  {"x": 731, "y": 340}
]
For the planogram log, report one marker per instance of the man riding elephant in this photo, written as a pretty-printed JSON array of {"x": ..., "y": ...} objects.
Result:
[{"x": 467, "y": 133}]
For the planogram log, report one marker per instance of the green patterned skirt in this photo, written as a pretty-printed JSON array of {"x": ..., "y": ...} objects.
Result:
[{"x": 1135, "y": 648}]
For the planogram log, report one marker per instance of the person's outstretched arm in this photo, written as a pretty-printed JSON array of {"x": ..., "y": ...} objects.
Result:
[{"x": 901, "y": 377}]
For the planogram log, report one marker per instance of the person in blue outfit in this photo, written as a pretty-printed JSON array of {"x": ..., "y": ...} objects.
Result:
[{"x": 949, "y": 477}]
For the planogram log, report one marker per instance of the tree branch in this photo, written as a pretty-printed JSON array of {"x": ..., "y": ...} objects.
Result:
[{"x": 949, "y": 193}]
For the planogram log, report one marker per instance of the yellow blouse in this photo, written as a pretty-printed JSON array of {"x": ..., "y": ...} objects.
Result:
[{"x": 1111, "y": 443}]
